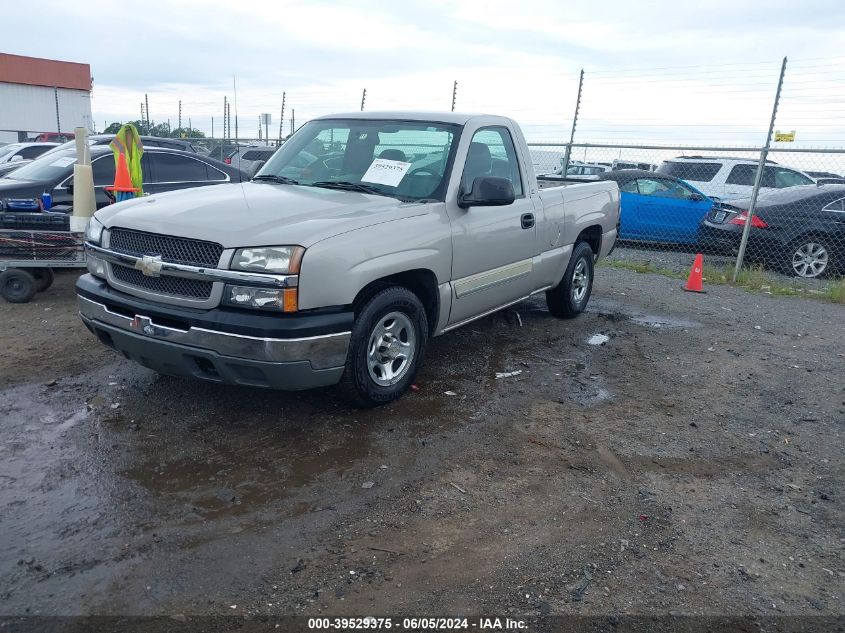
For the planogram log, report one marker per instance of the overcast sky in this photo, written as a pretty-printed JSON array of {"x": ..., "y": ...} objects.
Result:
[{"x": 654, "y": 70}]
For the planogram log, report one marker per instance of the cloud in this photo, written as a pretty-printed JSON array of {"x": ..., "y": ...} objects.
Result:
[{"x": 520, "y": 59}]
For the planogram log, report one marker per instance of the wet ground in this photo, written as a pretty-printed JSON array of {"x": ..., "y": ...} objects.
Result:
[{"x": 689, "y": 460}]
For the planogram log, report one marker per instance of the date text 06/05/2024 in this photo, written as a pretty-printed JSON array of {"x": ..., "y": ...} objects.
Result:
[{"x": 417, "y": 624}]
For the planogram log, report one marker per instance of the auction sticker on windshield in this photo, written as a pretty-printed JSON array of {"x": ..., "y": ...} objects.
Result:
[{"x": 386, "y": 172}]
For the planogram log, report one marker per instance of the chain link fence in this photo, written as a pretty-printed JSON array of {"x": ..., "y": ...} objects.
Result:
[{"x": 678, "y": 201}]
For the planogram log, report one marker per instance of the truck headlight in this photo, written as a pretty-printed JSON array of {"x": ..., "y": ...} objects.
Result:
[
  {"x": 94, "y": 231},
  {"x": 281, "y": 260},
  {"x": 274, "y": 299}
]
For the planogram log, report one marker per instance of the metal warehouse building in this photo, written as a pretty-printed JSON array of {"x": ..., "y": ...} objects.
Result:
[{"x": 42, "y": 95}]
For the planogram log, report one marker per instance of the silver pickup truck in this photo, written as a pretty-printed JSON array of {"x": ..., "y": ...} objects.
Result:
[{"x": 362, "y": 237}]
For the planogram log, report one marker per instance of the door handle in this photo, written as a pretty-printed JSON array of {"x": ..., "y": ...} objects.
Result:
[{"x": 527, "y": 220}]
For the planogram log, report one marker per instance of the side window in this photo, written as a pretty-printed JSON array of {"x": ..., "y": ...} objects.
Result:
[
  {"x": 33, "y": 151},
  {"x": 742, "y": 175},
  {"x": 176, "y": 168},
  {"x": 629, "y": 187},
  {"x": 215, "y": 174},
  {"x": 789, "y": 178},
  {"x": 836, "y": 205},
  {"x": 492, "y": 153},
  {"x": 103, "y": 170},
  {"x": 698, "y": 172},
  {"x": 653, "y": 187}
]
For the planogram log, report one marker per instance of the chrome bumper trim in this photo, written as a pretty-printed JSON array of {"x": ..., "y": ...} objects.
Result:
[
  {"x": 264, "y": 280},
  {"x": 323, "y": 352}
]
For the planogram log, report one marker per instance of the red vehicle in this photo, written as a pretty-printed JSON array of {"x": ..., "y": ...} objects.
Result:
[{"x": 54, "y": 137}]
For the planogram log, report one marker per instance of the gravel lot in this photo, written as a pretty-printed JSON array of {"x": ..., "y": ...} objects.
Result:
[{"x": 692, "y": 463}]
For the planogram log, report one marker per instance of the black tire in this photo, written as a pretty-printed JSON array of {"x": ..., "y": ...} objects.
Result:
[
  {"x": 43, "y": 278},
  {"x": 17, "y": 286},
  {"x": 562, "y": 300},
  {"x": 357, "y": 381},
  {"x": 792, "y": 265}
]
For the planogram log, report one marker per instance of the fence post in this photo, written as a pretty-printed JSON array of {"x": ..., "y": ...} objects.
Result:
[
  {"x": 758, "y": 178},
  {"x": 574, "y": 123},
  {"x": 282, "y": 118},
  {"x": 58, "y": 118}
]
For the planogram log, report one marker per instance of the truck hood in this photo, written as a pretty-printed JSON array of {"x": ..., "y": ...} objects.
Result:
[{"x": 257, "y": 214}]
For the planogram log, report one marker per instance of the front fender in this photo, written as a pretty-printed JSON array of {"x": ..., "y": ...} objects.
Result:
[{"x": 336, "y": 269}]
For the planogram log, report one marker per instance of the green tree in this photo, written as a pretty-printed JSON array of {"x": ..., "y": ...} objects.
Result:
[{"x": 156, "y": 129}]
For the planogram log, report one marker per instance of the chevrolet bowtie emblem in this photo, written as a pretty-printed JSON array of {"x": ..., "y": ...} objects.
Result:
[{"x": 150, "y": 265}]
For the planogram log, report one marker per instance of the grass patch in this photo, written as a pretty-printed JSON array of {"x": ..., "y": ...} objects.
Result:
[
  {"x": 753, "y": 278},
  {"x": 642, "y": 267}
]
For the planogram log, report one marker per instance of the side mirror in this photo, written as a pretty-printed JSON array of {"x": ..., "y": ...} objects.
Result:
[
  {"x": 487, "y": 191},
  {"x": 16, "y": 158}
]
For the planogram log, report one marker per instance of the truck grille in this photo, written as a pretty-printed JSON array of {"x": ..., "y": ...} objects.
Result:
[
  {"x": 174, "y": 286},
  {"x": 179, "y": 250}
]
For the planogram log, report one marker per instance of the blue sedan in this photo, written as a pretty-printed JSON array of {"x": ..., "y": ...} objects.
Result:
[{"x": 658, "y": 208}]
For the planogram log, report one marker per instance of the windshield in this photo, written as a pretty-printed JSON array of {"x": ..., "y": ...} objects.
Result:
[
  {"x": 48, "y": 166},
  {"x": 7, "y": 150},
  {"x": 69, "y": 145},
  {"x": 403, "y": 159}
]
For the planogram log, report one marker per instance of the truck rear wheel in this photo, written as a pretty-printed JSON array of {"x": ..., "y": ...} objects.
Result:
[
  {"x": 387, "y": 345},
  {"x": 570, "y": 297},
  {"x": 17, "y": 286}
]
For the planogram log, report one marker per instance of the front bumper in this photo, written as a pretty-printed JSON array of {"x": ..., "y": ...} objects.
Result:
[{"x": 186, "y": 342}]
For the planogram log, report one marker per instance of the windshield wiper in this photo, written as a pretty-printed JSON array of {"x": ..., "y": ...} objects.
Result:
[
  {"x": 282, "y": 180},
  {"x": 349, "y": 186}
]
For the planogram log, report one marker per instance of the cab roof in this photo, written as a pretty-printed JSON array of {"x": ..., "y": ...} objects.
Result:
[{"x": 460, "y": 118}]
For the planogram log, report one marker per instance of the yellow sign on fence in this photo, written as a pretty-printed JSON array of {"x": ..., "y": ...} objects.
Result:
[{"x": 784, "y": 137}]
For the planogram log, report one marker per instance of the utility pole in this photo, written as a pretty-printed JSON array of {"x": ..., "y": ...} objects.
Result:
[
  {"x": 363, "y": 99},
  {"x": 292, "y": 120},
  {"x": 190, "y": 127},
  {"x": 224, "y": 117},
  {"x": 282, "y": 118},
  {"x": 568, "y": 152},
  {"x": 454, "y": 94},
  {"x": 147, "y": 109},
  {"x": 180, "y": 115},
  {"x": 212, "y": 127},
  {"x": 758, "y": 178}
]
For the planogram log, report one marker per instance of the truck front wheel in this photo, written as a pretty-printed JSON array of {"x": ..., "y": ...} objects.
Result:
[
  {"x": 387, "y": 345},
  {"x": 570, "y": 297}
]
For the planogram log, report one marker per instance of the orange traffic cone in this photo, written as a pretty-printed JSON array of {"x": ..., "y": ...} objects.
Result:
[
  {"x": 695, "y": 281},
  {"x": 122, "y": 179}
]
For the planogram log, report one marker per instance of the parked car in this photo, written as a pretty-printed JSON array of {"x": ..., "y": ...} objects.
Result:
[
  {"x": 628, "y": 164},
  {"x": 826, "y": 178},
  {"x": 146, "y": 141},
  {"x": 729, "y": 178},
  {"x": 15, "y": 152},
  {"x": 8, "y": 168},
  {"x": 163, "y": 170},
  {"x": 799, "y": 230},
  {"x": 250, "y": 159},
  {"x": 576, "y": 168},
  {"x": 338, "y": 268},
  {"x": 658, "y": 208},
  {"x": 54, "y": 137}
]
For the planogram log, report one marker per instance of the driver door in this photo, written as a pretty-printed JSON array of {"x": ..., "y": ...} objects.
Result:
[{"x": 492, "y": 247}]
